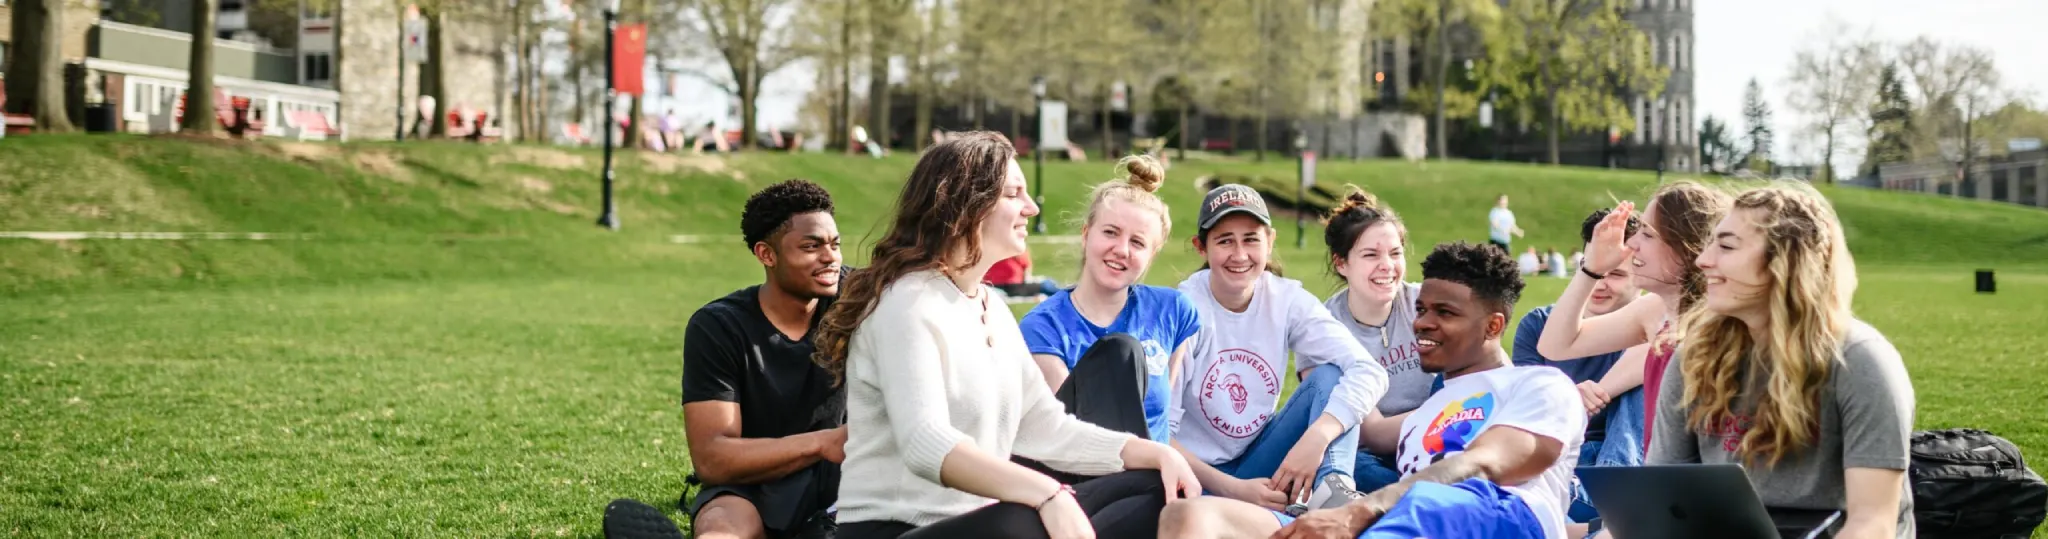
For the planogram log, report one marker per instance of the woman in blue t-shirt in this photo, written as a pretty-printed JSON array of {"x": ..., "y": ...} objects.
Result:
[{"x": 1110, "y": 347}]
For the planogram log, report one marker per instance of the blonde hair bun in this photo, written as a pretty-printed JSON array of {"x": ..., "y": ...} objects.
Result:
[
  {"x": 1143, "y": 172},
  {"x": 1358, "y": 198}
]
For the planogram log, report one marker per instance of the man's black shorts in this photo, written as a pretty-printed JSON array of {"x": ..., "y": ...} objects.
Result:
[{"x": 788, "y": 506}]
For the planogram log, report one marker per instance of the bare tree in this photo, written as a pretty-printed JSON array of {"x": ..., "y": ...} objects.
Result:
[
  {"x": 1832, "y": 82},
  {"x": 35, "y": 74},
  {"x": 747, "y": 36}
]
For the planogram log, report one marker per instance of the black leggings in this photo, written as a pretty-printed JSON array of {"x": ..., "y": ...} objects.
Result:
[
  {"x": 1107, "y": 389},
  {"x": 1107, "y": 386},
  {"x": 1119, "y": 505}
]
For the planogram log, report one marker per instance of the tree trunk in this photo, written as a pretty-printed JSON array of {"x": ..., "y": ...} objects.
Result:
[
  {"x": 750, "y": 92},
  {"x": 1182, "y": 151},
  {"x": 924, "y": 110},
  {"x": 36, "y": 72},
  {"x": 1233, "y": 132},
  {"x": 1827, "y": 165},
  {"x": 878, "y": 83},
  {"x": 1443, "y": 67},
  {"x": 1265, "y": 117},
  {"x": 1108, "y": 132},
  {"x": 199, "y": 112},
  {"x": 1550, "y": 118},
  {"x": 434, "y": 74},
  {"x": 845, "y": 134},
  {"x": 520, "y": 64},
  {"x": 579, "y": 111}
]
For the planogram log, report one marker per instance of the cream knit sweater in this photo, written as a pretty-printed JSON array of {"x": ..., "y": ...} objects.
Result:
[{"x": 921, "y": 377}]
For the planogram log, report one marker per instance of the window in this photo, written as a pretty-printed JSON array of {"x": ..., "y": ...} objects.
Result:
[
  {"x": 319, "y": 68},
  {"x": 1681, "y": 55}
]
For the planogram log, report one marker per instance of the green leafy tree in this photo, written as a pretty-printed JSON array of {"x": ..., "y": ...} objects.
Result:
[
  {"x": 1717, "y": 150},
  {"x": 1569, "y": 63},
  {"x": 1756, "y": 127},
  {"x": 1435, "y": 22},
  {"x": 1891, "y": 122}
]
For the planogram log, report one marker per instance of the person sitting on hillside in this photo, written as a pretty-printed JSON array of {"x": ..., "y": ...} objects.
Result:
[
  {"x": 765, "y": 424},
  {"x": 1013, "y": 277},
  {"x": 1529, "y": 263},
  {"x": 1490, "y": 456},
  {"x": 712, "y": 136},
  {"x": 1553, "y": 263}
]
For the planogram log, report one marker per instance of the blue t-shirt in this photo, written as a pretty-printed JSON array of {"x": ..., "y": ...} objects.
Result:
[
  {"x": 1589, "y": 368},
  {"x": 1159, "y": 318}
]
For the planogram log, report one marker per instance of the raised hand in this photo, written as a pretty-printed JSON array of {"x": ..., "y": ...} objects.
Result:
[{"x": 1609, "y": 248}]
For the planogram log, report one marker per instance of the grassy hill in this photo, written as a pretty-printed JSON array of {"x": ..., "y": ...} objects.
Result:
[
  {"x": 451, "y": 347},
  {"x": 458, "y": 210}
]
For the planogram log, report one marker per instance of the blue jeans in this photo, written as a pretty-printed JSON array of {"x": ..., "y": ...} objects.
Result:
[
  {"x": 1374, "y": 473},
  {"x": 1471, "y": 509},
  {"x": 1623, "y": 447},
  {"x": 1270, "y": 447}
]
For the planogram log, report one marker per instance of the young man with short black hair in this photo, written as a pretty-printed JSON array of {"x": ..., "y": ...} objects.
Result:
[
  {"x": 1490, "y": 455},
  {"x": 766, "y": 424}
]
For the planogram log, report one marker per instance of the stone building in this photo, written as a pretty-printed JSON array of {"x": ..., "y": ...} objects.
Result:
[
  {"x": 2016, "y": 178},
  {"x": 346, "y": 67}
]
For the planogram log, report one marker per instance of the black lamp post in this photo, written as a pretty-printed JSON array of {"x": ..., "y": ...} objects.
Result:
[
  {"x": 1301, "y": 186},
  {"x": 1038, "y": 153},
  {"x": 610, "y": 218}
]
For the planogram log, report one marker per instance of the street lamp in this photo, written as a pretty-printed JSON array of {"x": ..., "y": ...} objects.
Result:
[
  {"x": 610, "y": 218},
  {"x": 1038, "y": 153},
  {"x": 1303, "y": 161}
]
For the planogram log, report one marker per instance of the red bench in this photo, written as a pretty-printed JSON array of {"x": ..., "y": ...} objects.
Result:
[
  {"x": 229, "y": 112},
  {"x": 14, "y": 124},
  {"x": 309, "y": 125},
  {"x": 1216, "y": 145}
]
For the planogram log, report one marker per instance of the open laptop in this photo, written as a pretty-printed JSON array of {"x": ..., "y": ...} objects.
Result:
[{"x": 1694, "y": 501}]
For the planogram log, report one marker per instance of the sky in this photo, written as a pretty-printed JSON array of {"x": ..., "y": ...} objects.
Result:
[
  {"x": 1742, "y": 39},
  {"x": 1734, "y": 40}
]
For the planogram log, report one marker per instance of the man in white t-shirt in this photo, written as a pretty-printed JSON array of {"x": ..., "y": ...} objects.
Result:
[
  {"x": 1488, "y": 456},
  {"x": 1500, "y": 225}
]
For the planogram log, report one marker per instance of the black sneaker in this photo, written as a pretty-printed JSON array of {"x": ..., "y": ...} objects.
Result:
[{"x": 630, "y": 519}]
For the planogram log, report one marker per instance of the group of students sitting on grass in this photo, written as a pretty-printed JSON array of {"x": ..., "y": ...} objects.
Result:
[{"x": 899, "y": 400}]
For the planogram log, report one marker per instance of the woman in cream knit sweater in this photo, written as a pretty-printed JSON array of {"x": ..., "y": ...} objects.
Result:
[{"x": 942, "y": 392}]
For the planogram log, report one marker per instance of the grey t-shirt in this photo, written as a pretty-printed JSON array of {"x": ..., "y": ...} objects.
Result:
[
  {"x": 1394, "y": 346},
  {"x": 1866, "y": 421}
]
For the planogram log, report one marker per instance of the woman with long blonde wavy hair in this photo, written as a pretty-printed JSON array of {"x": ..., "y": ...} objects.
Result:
[{"x": 1780, "y": 376}]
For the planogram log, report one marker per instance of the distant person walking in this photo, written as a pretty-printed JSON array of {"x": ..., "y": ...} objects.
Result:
[{"x": 1501, "y": 226}]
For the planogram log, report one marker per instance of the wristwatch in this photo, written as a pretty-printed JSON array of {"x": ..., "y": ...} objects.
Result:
[{"x": 1590, "y": 273}]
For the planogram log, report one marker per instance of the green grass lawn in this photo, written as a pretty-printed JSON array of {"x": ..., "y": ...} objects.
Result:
[{"x": 461, "y": 354}]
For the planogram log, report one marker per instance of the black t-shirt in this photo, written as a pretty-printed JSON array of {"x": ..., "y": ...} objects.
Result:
[{"x": 732, "y": 353}]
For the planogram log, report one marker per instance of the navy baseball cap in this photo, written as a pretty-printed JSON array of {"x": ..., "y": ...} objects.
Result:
[{"x": 1232, "y": 198}]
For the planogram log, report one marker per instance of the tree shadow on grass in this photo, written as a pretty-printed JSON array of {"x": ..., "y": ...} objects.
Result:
[{"x": 443, "y": 175}]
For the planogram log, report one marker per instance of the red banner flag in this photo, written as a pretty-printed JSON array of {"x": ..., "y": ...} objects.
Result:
[{"x": 629, "y": 51}]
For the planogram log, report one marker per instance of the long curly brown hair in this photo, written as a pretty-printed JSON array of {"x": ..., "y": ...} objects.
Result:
[{"x": 937, "y": 226}]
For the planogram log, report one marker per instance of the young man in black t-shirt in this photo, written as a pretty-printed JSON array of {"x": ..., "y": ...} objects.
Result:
[{"x": 766, "y": 426}]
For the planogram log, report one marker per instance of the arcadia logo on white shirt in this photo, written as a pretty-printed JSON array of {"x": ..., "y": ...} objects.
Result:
[{"x": 1227, "y": 389}]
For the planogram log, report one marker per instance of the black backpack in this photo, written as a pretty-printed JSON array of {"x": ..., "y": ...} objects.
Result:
[{"x": 1969, "y": 483}]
